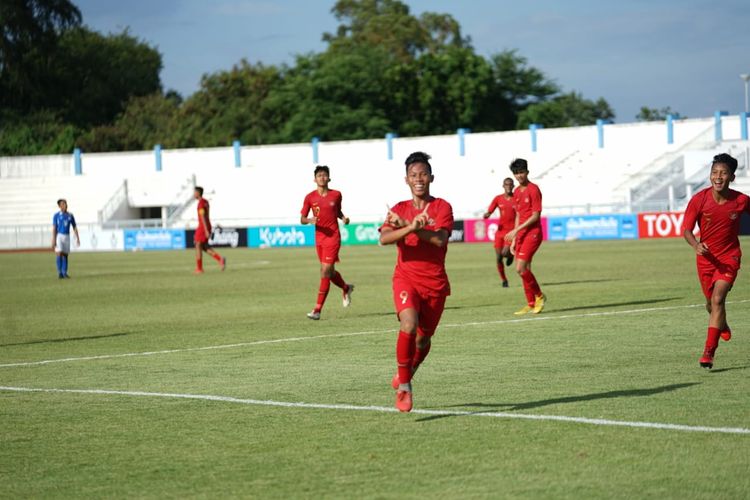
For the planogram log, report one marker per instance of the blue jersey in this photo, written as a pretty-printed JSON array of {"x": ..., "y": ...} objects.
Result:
[{"x": 62, "y": 221}]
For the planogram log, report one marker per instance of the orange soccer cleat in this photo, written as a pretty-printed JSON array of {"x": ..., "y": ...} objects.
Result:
[{"x": 403, "y": 401}]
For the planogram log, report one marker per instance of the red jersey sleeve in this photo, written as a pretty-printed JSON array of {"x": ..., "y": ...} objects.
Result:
[
  {"x": 536, "y": 199},
  {"x": 444, "y": 217},
  {"x": 493, "y": 205},
  {"x": 692, "y": 212},
  {"x": 306, "y": 206}
]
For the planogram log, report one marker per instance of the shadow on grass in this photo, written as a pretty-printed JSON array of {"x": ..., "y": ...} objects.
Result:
[
  {"x": 493, "y": 407},
  {"x": 616, "y": 304},
  {"x": 720, "y": 370},
  {"x": 68, "y": 339}
]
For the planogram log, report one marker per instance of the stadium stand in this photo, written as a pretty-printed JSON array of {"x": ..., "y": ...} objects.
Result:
[{"x": 634, "y": 169}]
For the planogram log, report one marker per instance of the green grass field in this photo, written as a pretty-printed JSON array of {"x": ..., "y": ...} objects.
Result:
[{"x": 619, "y": 341}]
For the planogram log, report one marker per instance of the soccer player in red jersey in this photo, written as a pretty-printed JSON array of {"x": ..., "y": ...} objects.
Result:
[
  {"x": 420, "y": 227},
  {"x": 325, "y": 205},
  {"x": 717, "y": 211},
  {"x": 526, "y": 236},
  {"x": 203, "y": 234},
  {"x": 504, "y": 202}
]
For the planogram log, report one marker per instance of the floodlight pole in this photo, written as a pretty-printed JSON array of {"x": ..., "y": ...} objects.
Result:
[{"x": 746, "y": 78}]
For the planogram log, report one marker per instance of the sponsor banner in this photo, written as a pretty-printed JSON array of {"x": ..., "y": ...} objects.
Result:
[
  {"x": 154, "y": 239},
  {"x": 281, "y": 236},
  {"x": 745, "y": 223},
  {"x": 99, "y": 240},
  {"x": 660, "y": 224},
  {"x": 360, "y": 234},
  {"x": 592, "y": 227},
  {"x": 221, "y": 237},
  {"x": 457, "y": 235},
  {"x": 483, "y": 230}
]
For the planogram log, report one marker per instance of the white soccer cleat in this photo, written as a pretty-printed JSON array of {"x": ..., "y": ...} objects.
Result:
[
  {"x": 313, "y": 315},
  {"x": 348, "y": 295}
]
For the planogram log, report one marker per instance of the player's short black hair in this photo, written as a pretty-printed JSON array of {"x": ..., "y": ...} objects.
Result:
[
  {"x": 507, "y": 179},
  {"x": 199, "y": 189},
  {"x": 418, "y": 157},
  {"x": 727, "y": 160},
  {"x": 322, "y": 168},
  {"x": 61, "y": 200},
  {"x": 519, "y": 165}
]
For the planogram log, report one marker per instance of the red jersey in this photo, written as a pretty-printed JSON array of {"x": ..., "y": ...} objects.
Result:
[
  {"x": 203, "y": 210},
  {"x": 527, "y": 200},
  {"x": 327, "y": 208},
  {"x": 507, "y": 208},
  {"x": 421, "y": 263},
  {"x": 719, "y": 224}
]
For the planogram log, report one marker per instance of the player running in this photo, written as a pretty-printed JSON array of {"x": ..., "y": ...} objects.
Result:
[
  {"x": 325, "y": 204},
  {"x": 503, "y": 202},
  {"x": 62, "y": 221},
  {"x": 203, "y": 234},
  {"x": 420, "y": 227},
  {"x": 717, "y": 210},
  {"x": 526, "y": 236}
]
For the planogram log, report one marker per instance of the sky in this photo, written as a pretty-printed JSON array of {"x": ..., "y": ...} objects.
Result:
[{"x": 686, "y": 54}]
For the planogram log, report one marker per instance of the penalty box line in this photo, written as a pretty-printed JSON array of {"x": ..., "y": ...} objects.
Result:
[
  {"x": 385, "y": 409},
  {"x": 351, "y": 334}
]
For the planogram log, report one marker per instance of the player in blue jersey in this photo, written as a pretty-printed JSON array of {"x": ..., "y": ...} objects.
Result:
[{"x": 62, "y": 221}]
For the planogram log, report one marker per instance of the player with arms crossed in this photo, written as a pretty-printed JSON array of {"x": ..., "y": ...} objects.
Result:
[
  {"x": 526, "y": 236},
  {"x": 420, "y": 227},
  {"x": 203, "y": 234},
  {"x": 504, "y": 202},
  {"x": 717, "y": 211},
  {"x": 325, "y": 205},
  {"x": 62, "y": 221}
]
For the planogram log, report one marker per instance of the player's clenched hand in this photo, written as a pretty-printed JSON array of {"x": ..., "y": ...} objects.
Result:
[
  {"x": 486, "y": 215},
  {"x": 511, "y": 235},
  {"x": 701, "y": 249},
  {"x": 346, "y": 220}
]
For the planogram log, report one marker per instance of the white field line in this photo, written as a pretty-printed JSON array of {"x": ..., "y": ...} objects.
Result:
[
  {"x": 385, "y": 409},
  {"x": 351, "y": 334}
]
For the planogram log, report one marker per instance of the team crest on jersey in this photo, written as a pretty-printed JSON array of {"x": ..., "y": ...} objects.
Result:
[{"x": 733, "y": 215}]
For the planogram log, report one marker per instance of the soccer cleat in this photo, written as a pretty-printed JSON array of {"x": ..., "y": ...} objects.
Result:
[
  {"x": 505, "y": 284},
  {"x": 60, "y": 276},
  {"x": 66, "y": 276},
  {"x": 198, "y": 271},
  {"x": 223, "y": 263},
  {"x": 726, "y": 335},
  {"x": 509, "y": 260},
  {"x": 314, "y": 315},
  {"x": 348, "y": 295},
  {"x": 524, "y": 310},
  {"x": 707, "y": 360},
  {"x": 539, "y": 304},
  {"x": 404, "y": 401}
]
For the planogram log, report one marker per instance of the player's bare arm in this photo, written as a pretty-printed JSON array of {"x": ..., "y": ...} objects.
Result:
[
  {"x": 438, "y": 238},
  {"x": 308, "y": 220},
  {"x": 700, "y": 248},
  {"x": 78, "y": 239},
  {"x": 389, "y": 235},
  {"x": 54, "y": 237}
]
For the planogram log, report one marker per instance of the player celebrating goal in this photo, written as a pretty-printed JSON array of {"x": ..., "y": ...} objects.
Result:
[
  {"x": 526, "y": 236},
  {"x": 62, "y": 221},
  {"x": 717, "y": 211},
  {"x": 503, "y": 202},
  {"x": 203, "y": 234},
  {"x": 325, "y": 205},
  {"x": 420, "y": 227}
]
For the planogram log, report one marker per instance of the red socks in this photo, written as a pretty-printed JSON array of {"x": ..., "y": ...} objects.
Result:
[
  {"x": 217, "y": 257},
  {"x": 530, "y": 287},
  {"x": 199, "y": 264},
  {"x": 325, "y": 285},
  {"x": 712, "y": 338},
  {"x": 501, "y": 270},
  {"x": 338, "y": 281},
  {"x": 406, "y": 348},
  {"x": 419, "y": 356}
]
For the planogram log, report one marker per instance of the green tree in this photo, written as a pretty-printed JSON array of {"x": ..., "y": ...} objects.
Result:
[
  {"x": 29, "y": 32},
  {"x": 566, "y": 110},
  {"x": 647, "y": 114}
]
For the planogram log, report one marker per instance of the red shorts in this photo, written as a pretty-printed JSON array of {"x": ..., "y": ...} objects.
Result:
[
  {"x": 500, "y": 239},
  {"x": 711, "y": 270},
  {"x": 200, "y": 235},
  {"x": 328, "y": 253},
  {"x": 429, "y": 308},
  {"x": 527, "y": 244}
]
